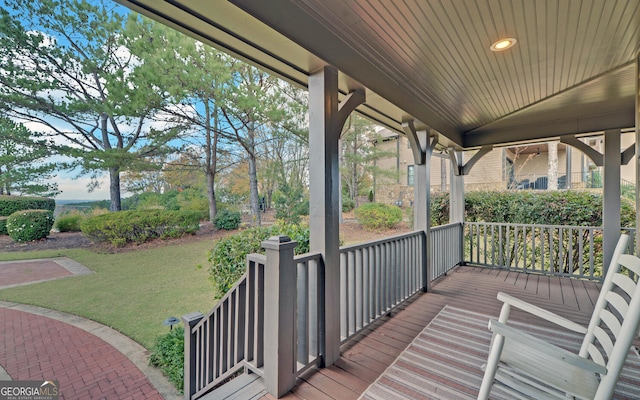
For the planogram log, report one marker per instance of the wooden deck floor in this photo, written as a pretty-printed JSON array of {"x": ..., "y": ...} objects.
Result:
[{"x": 368, "y": 355}]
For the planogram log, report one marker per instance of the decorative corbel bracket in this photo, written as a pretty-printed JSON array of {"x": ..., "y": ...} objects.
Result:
[
  {"x": 598, "y": 158},
  {"x": 458, "y": 168},
  {"x": 593, "y": 154},
  {"x": 348, "y": 104},
  {"x": 419, "y": 149},
  {"x": 628, "y": 154}
]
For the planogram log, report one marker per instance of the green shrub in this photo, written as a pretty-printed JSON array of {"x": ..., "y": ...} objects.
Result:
[
  {"x": 348, "y": 204},
  {"x": 377, "y": 216},
  {"x": 563, "y": 207},
  {"x": 168, "y": 355},
  {"x": 11, "y": 204},
  {"x": 70, "y": 221},
  {"x": 28, "y": 225},
  {"x": 228, "y": 220},
  {"x": 139, "y": 226},
  {"x": 439, "y": 208},
  {"x": 3, "y": 225},
  {"x": 227, "y": 260}
]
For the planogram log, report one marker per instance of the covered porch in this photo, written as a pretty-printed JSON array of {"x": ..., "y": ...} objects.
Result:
[
  {"x": 473, "y": 289},
  {"x": 428, "y": 70}
]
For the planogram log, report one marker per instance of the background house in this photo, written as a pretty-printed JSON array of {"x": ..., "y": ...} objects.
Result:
[{"x": 503, "y": 168}]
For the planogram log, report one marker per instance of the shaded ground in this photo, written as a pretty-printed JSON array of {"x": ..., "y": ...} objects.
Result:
[{"x": 350, "y": 232}]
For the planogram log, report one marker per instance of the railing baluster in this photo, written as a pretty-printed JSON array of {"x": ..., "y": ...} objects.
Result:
[
  {"x": 302, "y": 283},
  {"x": 359, "y": 309},
  {"x": 351, "y": 298},
  {"x": 344, "y": 295}
]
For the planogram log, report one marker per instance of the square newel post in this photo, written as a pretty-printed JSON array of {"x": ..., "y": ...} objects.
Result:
[
  {"x": 190, "y": 320},
  {"x": 279, "y": 315}
]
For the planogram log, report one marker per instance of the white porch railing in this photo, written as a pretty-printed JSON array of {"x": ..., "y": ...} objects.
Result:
[
  {"x": 571, "y": 251},
  {"x": 446, "y": 248},
  {"x": 377, "y": 276}
]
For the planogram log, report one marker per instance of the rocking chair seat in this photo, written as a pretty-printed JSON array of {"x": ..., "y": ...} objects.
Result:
[{"x": 531, "y": 363}]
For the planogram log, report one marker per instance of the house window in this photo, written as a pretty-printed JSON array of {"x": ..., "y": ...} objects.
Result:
[{"x": 410, "y": 175}]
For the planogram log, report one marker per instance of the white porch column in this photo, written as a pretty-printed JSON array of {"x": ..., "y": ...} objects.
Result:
[
  {"x": 326, "y": 117},
  {"x": 422, "y": 147},
  {"x": 456, "y": 193},
  {"x": 611, "y": 197}
]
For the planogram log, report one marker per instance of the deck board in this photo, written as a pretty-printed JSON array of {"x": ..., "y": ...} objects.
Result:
[{"x": 368, "y": 354}]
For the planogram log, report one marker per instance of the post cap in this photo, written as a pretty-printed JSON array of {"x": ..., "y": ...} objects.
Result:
[{"x": 279, "y": 242}]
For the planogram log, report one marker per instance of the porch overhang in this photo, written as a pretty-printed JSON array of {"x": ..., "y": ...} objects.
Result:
[{"x": 571, "y": 72}]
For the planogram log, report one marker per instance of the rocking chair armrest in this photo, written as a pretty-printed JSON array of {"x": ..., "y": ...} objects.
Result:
[
  {"x": 560, "y": 354},
  {"x": 542, "y": 313}
]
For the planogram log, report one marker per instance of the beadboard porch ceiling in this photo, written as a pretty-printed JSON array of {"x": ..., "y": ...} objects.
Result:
[{"x": 572, "y": 70}]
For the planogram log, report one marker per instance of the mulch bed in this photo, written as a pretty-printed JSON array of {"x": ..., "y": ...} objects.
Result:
[{"x": 74, "y": 240}]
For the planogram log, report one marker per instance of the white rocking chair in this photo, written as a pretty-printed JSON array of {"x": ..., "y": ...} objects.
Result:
[{"x": 540, "y": 370}]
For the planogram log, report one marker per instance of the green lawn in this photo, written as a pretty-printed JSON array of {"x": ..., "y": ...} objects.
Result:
[{"x": 132, "y": 291}]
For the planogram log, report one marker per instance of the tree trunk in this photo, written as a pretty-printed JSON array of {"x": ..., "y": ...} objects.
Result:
[
  {"x": 211, "y": 160},
  {"x": 253, "y": 186},
  {"x": 211, "y": 196},
  {"x": 114, "y": 188},
  {"x": 552, "y": 183}
]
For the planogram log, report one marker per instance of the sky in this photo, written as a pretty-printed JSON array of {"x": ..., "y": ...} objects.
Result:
[{"x": 72, "y": 186}]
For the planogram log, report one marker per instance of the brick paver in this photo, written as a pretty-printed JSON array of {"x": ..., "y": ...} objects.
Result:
[
  {"x": 22, "y": 272},
  {"x": 34, "y": 347}
]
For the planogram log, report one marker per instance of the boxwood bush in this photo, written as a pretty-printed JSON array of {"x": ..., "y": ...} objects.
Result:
[
  {"x": 227, "y": 220},
  {"x": 139, "y": 226},
  {"x": 28, "y": 225},
  {"x": 11, "y": 204},
  {"x": 227, "y": 260},
  {"x": 378, "y": 216}
]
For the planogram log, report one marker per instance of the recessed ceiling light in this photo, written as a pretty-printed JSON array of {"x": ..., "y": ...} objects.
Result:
[{"x": 503, "y": 44}]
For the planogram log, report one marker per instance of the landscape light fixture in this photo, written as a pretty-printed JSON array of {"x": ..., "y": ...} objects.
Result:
[
  {"x": 503, "y": 44},
  {"x": 170, "y": 322}
]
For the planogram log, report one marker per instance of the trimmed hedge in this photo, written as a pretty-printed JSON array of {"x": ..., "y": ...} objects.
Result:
[
  {"x": 377, "y": 216},
  {"x": 28, "y": 225},
  {"x": 11, "y": 204},
  {"x": 228, "y": 259},
  {"x": 3, "y": 225},
  {"x": 139, "y": 226},
  {"x": 563, "y": 207}
]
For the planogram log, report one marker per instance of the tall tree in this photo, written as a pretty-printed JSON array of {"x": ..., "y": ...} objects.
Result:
[
  {"x": 358, "y": 155},
  {"x": 66, "y": 66},
  {"x": 24, "y": 165},
  {"x": 198, "y": 79},
  {"x": 255, "y": 111}
]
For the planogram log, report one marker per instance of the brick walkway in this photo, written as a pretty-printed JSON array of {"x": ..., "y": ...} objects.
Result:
[
  {"x": 35, "y": 347},
  {"x": 89, "y": 360}
]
